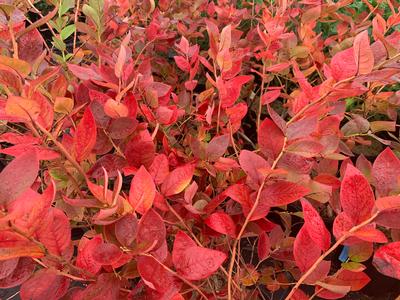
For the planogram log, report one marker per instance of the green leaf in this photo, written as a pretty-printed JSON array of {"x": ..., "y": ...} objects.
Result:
[
  {"x": 91, "y": 13},
  {"x": 65, "y": 6},
  {"x": 59, "y": 44},
  {"x": 67, "y": 31}
]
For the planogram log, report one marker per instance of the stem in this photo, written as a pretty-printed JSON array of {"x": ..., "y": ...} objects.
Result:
[
  {"x": 330, "y": 250},
  {"x": 239, "y": 236}
]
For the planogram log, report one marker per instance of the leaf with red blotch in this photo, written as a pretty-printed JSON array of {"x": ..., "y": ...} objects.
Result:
[
  {"x": 140, "y": 150},
  {"x": 12, "y": 245},
  {"x": 177, "y": 180},
  {"x": 106, "y": 254},
  {"x": 107, "y": 286},
  {"x": 251, "y": 163},
  {"x": 193, "y": 262},
  {"x": 356, "y": 196},
  {"x": 343, "y": 65},
  {"x": 263, "y": 246},
  {"x": 305, "y": 253},
  {"x": 270, "y": 138},
  {"x": 30, "y": 45},
  {"x": 22, "y": 272},
  {"x": 282, "y": 193},
  {"x": 315, "y": 226},
  {"x": 55, "y": 232},
  {"x": 85, "y": 258},
  {"x": 84, "y": 73},
  {"x": 18, "y": 176},
  {"x": 217, "y": 147},
  {"x": 85, "y": 136},
  {"x": 159, "y": 169},
  {"x": 231, "y": 91},
  {"x": 142, "y": 191},
  {"x": 222, "y": 223},
  {"x": 386, "y": 173},
  {"x": 389, "y": 212},
  {"x": 363, "y": 54},
  {"x": 387, "y": 260},
  {"x": 42, "y": 152},
  {"x": 126, "y": 229},
  {"x": 156, "y": 277},
  {"x": 151, "y": 230},
  {"x": 45, "y": 284},
  {"x": 7, "y": 267}
]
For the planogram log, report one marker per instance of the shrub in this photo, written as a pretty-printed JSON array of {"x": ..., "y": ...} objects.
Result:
[{"x": 198, "y": 149}]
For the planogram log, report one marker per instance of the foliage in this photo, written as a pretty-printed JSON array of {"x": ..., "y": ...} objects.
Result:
[{"x": 153, "y": 145}]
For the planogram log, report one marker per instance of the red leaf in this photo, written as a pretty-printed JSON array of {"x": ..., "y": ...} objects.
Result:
[
  {"x": 156, "y": 277},
  {"x": 140, "y": 150},
  {"x": 42, "y": 152},
  {"x": 45, "y": 284},
  {"x": 263, "y": 246},
  {"x": 282, "y": 193},
  {"x": 85, "y": 136},
  {"x": 30, "y": 46},
  {"x": 222, "y": 223},
  {"x": 217, "y": 147},
  {"x": 343, "y": 65},
  {"x": 107, "y": 286},
  {"x": 22, "y": 272},
  {"x": 55, "y": 232},
  {"x": 84, "y": 73},
  {"x": 15, "y": 138},
  {"x": 315, "y": 226},
  {"x": 389, "y": 212},
  {"x": 251, "y": 163},
  {"x": 231, "y": 91},
  {"x": 363, "y": 54},
  {"x": 151, "y": 230},
  {"x": 182, "y": 63},
  {"x": 387, "y": 260},
  {"x": 177, "y": 180},
  {"x": 386, "y": 173},
  {"x": 159, "y": 169},
  {"x": 270, "y": 96},
  {"x": 7, "y": 267},
  {"x": 18, "y": 176},
  {"x": 193, "y": 262},
  {"x": 142, "y": 191},
  {"x": 305, "y": 253},
  {"x": 357, "y": 280},
  {"x": 356, "y": 195},
  {"x": 270, "y": 139},
  {"x": 106, "y": 254},
  {"x": 126, "y": 229},
  {"x": 13, "y": 245},
  {"x": 85, "y": 258}
]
